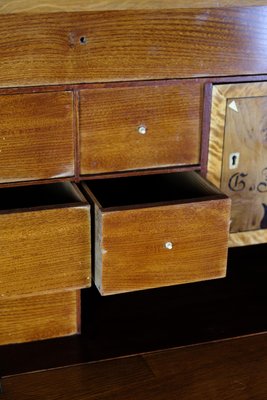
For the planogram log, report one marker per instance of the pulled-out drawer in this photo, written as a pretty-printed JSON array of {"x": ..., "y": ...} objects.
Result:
[
  {"x": 149, "y": 125},
  {"x": 36, "y": 136},
  {"x": 39, "y": 317},
  {"x": 44, "y": 239},
  {"x": 158, "y": 230}
]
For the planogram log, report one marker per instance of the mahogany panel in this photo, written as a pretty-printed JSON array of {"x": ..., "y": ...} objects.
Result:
[
  {"x": 110, "y": 120},
  {"x": 131, "y": 45},
  {"x": 231, "y": 369},
  {"x": 85, "y": 380},
  {"x": 39, "y": 317},
  {"x": 36, "y": 136}
]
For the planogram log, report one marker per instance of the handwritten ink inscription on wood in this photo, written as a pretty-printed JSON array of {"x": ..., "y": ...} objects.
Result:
[{"x": 244, "y": 163}]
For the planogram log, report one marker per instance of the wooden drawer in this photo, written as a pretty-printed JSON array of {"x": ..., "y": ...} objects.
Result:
[
  {"x": 139, "y": 127},
  {"x": 160, "y": 230},
  {"x": 44, "y": 239},
  {"x": 39, "y": 317},
  {"x": 36, "y": 136}
]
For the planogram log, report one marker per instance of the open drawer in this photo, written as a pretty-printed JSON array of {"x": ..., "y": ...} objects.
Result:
[
  {"x": 159, "y": 230},
  {"x": 44, "y": 240}
]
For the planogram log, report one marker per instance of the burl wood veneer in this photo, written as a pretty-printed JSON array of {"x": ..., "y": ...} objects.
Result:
[{"x": 237, "y": 156}]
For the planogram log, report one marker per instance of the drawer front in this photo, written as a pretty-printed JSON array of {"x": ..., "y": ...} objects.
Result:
[
  {"x": 36, "y": 136},
  {"x": 161, "y": 246},
  {"x": 127, "y": 128},
  {"x": 44, "y": 251},
  {"x": 39, "y": 317}
]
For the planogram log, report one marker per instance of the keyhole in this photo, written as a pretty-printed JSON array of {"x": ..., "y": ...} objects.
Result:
[{"x": 234, "y": 160}]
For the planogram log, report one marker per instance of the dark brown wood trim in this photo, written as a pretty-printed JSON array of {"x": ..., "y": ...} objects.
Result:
[
  {"x": 79, "y": 311},
  {"x": 76, "y": 134},
  {"x": 130, "y": 83},
  {"x": 207, "y": 103}
]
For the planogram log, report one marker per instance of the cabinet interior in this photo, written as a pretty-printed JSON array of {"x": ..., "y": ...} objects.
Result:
[
  {"x": 38, "y": 195},
  {"x": 147, "y": 189}
]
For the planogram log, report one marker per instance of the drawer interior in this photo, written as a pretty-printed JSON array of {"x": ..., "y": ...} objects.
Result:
[
  {"x": 39, "y": 195},
  {"x": 135, "y": 190}
]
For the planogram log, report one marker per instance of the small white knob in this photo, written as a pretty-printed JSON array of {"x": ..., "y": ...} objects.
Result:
[
  {"x": 142, "y": 129},
  {"x": 168, "y": 245}
]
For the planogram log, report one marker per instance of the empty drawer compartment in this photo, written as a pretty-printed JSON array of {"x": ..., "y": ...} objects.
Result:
[
  {"x": 158, "y": 230},
  {"x": 44, "y": 239}
]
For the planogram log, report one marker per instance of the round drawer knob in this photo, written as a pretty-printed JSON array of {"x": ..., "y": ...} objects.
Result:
[
  {"x": 142, "y": 129},
  {"x": 168, "y": 245}
]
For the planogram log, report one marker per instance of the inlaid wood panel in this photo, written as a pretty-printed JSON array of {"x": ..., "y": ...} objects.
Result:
[
  {"x": 35, "y": 6},
  {"x": 36, "y": 136},
  {"x": 131, "y": 45},
  {"x": 237, "y": 158},
  {"x": 44, "y": 249},
  {"x": 39, "y": 317},
  {"x": 111, "y": 121}
]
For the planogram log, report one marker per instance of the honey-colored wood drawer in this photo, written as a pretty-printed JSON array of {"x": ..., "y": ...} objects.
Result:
[
  {"x": 140, "y": 127},
  {"x": 159, "y": 230},
  {"x": 39, "y": 317},
  {"x": 36, "y": 136},
  {"x": 44, "y": 240}
]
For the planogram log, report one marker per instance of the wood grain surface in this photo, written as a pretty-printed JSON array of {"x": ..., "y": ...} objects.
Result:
[
  {"x": 39, "y": 317},
  {"x": 238, "y": 129},
  {"x": 133, "y": 249},
  {"x": 36, "y": 136},
  {"x": 44, "y": 251},
  {"x": 131, "y": 45},
  {"x": 35, "y": 6},
  {"x": 246, "y": 182},
  {"x": 144, "y": 321},
  {"x": 233, "y": 369},
  {"x": 110, "y": 119}
]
